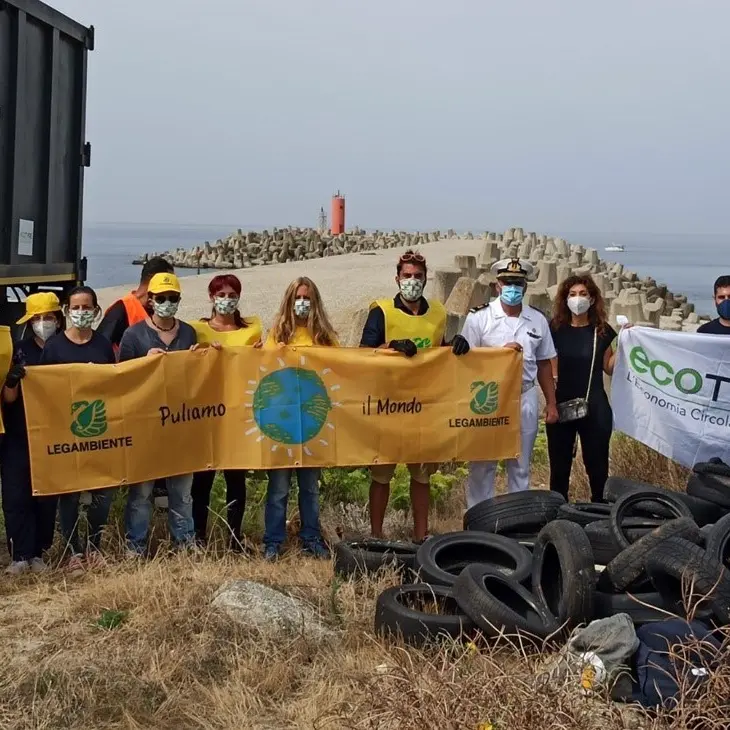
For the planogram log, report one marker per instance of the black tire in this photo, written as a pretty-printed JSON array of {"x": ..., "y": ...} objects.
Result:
[
  {"x": 497, "y": 604},
  {"x": 704, "y": 512},
  {"x": 677, "y": 563},
  {"x": 623, "y": 507},
  {"x": 526, "y": 512},
  {"x": 712, "y": 488},
  {"x": 714, "y": 466},
  {"x": 583, "y": 513},
  {"x": 609, "y": 604},
  {"x": 563, "y": 573},
  {"x": 717, "y": 544},
  {"x": 605, "y": 547},
  {"x": 629, "y": 566},
  {"x": 440, "y": 559},
  {"x": 359, "y": 557},
  {"x": 399, "y": 613}
]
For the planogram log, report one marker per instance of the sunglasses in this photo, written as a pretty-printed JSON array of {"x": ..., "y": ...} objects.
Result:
[
  {"x": 406, "y": 257},
  {"x": 510, "y": 281},
  {"x": 162, "y": 298}
]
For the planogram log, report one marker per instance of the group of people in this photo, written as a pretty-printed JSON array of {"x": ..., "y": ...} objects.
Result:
[{"x": 566, "y": 357}]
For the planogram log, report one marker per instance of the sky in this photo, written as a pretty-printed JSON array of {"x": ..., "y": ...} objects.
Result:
[{"x": 562, "y": 115}]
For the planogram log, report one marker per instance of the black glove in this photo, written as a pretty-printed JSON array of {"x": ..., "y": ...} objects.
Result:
[
  {"x": 459, "y": 345},
  {"x": 407, "y": 347},
  {"x": 15, "y": 375}
]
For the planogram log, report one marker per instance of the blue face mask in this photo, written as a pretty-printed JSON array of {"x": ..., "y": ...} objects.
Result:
[
  {"x": 512, "y": 294},
  {"x": 723, "y": 308}
]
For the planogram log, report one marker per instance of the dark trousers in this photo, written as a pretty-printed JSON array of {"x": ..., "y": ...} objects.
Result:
[
  {"x": 595, "y": 436},
  {"x": 29, "y": 521},
  {"x": 235, "y": 499}
]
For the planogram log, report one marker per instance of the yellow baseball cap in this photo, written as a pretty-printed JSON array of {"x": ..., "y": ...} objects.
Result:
[
  {"x": 43, "y": 302},
  {"x": 163, "y": 282}
]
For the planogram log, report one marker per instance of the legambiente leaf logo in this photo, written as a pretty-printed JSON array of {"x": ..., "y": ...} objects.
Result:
[
  {"x": 89, "y": 418},
  {"x": 485, "y": 399}
]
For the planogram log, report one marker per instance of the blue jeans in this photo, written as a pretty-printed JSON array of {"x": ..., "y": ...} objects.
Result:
[
  {"x": 138, "y": 512},
  {"x": 277, "y": 498},
  {"x": 97, "y": 515}
]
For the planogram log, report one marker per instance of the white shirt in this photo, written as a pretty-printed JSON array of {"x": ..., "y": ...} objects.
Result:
[{"x": 491, "y": 327}]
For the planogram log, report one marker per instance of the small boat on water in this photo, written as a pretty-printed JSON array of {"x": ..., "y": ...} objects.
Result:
[{"x": 614, "y": 247}]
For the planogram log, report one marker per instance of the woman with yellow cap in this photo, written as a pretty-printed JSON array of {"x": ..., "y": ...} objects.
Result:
[{"x": 29, "y": 520}]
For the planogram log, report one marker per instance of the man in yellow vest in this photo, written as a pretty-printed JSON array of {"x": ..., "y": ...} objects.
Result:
[{"x": 406, "y": 324}]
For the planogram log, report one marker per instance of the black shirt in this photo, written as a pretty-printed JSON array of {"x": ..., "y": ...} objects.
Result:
[
  {"x": 714, "y": 328},
  {"x": 28, "y": 353},
  {"x": 140, "y": 338},
  {"x": 60, "y": 350},
  {"x": 574, "y": 346},
  {"x": 115, "y": 323},
  {"x": 373, "y": 334}
]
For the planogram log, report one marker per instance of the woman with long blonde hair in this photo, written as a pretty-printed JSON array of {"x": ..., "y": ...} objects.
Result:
[{"x": 301, "y": 321}]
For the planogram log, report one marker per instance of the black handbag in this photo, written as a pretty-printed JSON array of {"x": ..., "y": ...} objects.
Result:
[{"x": 577, "y": 408}]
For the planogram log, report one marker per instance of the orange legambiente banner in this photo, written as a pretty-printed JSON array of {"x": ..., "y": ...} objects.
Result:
[{"x": 92, "y": 426}]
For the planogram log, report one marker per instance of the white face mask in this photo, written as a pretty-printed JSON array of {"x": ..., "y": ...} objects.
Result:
[
  {"x": 302, "y": 307},
  {"x": 224, "y": 305},
  {"x": 44, "y": 329},
  {"x": 411, "y": 289},
  {"x": 579, "y": 305},
  {"x": 83, "y": 319}
]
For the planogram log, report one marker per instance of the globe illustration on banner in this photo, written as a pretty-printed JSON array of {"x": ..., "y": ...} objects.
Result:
[{"x": 291, "y": 406}]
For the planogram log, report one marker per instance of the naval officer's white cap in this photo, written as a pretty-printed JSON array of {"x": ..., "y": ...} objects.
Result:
[{"x": 513, "y": 268}]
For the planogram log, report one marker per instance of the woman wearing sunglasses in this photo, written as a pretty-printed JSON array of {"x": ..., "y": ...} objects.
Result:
[
  {"x": 226, "y": 326},
  {"x": 160, "y": 333}
]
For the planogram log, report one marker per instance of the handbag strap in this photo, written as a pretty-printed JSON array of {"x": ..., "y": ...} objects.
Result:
[{"x": 593, "y": 360}]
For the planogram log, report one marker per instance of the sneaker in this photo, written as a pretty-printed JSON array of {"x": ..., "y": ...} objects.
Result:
[
  {"x": 271, "y": 552},
  {"x": 18, "y": 567},
  {"x": 316, "y": 549},
  {"x": 75, "y": 566},
  {"x": 37, "y": 565}
]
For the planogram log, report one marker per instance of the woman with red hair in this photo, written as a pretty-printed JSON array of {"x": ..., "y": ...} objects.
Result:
[
  {"x": 226, "y": 326},
  {"x": 583, "y": 340}
]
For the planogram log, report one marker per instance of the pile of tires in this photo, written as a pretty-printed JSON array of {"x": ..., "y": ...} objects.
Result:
[{"x": 530, "y": 567}]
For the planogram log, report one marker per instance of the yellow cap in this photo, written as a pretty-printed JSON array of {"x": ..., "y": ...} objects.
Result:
[
  {"x": 43, "y": 302},
  {"x": 163, "y": 282}
]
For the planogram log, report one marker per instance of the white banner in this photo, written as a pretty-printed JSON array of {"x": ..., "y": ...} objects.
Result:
[{"x": 671, "y": 391}]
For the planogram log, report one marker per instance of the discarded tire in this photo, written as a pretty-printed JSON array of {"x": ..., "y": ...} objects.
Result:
[
  {"x": 420, "y": 614},
  {"x": 583, "y": 513},
  {"x": 678, "y": 564},
  {"x": 441, "y": 559},
  {"x": 629, "y": 566},
  {"x": 643, "y": 608},
  {"x": 717, "y": 543},
  {"x": 626, "y": 504},
  {"x": 712, "y": 488},
  {"x": 604, "y": 544},
  {"x": 499, "y": 605},
  {"x": 358, "y": 557},
  {"x": 563, "y": 573},
  {"x": 703, "y": 512},
  {"x": 525, "y": 512},
  {"x": 714, "y": 466}
]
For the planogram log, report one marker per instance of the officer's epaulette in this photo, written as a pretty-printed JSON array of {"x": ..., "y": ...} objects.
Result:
[{"x": 479, "y": 308}]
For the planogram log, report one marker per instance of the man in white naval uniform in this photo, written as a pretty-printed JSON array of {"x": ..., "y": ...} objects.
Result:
[{"x": 506, "y": 322}]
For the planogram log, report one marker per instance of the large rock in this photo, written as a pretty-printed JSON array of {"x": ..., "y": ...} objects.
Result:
[
  {"x": 454, "y": 324},
  {"x": 467, "y": 293},
  {"x": 443, "y": 283},
  {"x": 467, "y": 265},
  {"x": 270, "y": 612},
  {"x": 356, "y": 327}
]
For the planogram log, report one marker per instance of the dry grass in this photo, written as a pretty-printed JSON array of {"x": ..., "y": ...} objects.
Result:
[{"x": 136, "y": 645}]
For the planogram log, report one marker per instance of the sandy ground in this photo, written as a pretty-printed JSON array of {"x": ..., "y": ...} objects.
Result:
[{"x": 346, "y": 282}]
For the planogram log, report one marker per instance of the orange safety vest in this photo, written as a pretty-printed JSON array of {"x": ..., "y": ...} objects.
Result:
[{"x": 134, "y": 309}]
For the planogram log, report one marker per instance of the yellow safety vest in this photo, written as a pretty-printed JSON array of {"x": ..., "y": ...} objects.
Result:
[
  {"x": 426, "y": 330},
  {"x": 6, "y": 360},
  {"x": 232, "y": 338}
]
